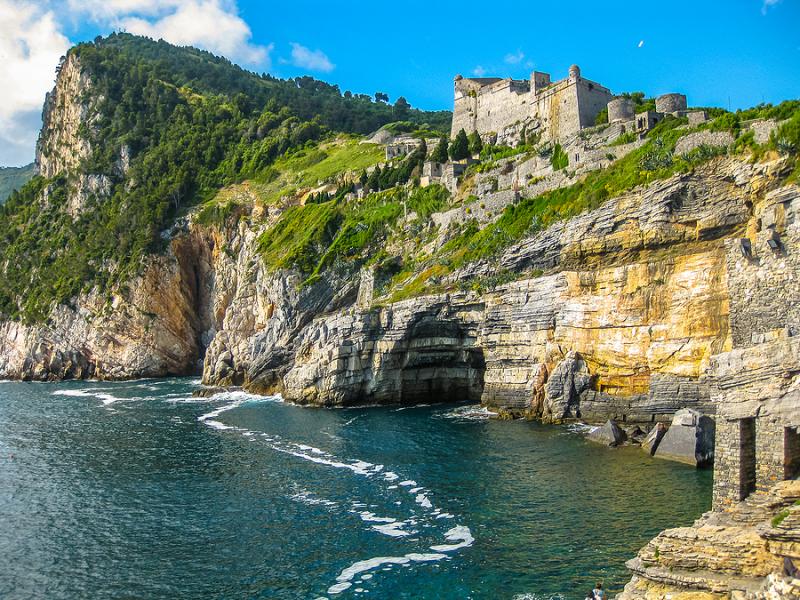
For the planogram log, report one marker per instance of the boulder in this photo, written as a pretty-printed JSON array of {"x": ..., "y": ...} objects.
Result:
[
  {"x": 609, "y": 434},
  {"x": 635, "y": 434},
  {"x": 690, "y": 439},
  {"x": 653, "y": 439}
]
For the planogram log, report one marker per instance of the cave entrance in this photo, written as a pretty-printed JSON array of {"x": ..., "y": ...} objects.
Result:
[{"x": 441, "y": 363}]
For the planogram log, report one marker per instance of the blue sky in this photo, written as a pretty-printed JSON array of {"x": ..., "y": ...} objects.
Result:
[{"x": 734, "y": 53}]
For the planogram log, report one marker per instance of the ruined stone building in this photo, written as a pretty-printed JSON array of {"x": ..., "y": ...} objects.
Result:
[
  {"x": 501, "y": 110},
  {"x": 756, "y": 386}
]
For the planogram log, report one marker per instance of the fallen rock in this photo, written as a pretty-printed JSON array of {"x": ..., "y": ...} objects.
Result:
[
  {"x": 635, "y": 434},
  {"x": 609, "y": 434},
  {"x": 690, "y": 439},
  {"x": 653, "y": 439}
]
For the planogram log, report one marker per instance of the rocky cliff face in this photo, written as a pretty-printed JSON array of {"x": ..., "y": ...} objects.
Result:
[
  {"x": 634, "y": 304},
  {"x": 615, "y": 313}
]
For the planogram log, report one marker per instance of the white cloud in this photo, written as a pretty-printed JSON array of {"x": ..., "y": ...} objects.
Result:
[
  {"x": 640, "y": 44},
  {"x": 767, "y": 4},
  {"x": 479, "y": 71},
  {"x": 515, "y": 58},
  {"x": 213, "y": 25},
  {"x": 315, "y": 60},
  {"x": 30, "y": 47}
]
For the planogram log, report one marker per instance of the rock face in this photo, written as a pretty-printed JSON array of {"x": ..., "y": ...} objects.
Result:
[
  {"x": 741, "y": 553},
  {"x": 623, "y": 326},
  {"x": 616, "y": 313},
  {"x": 690, "y": 439}
]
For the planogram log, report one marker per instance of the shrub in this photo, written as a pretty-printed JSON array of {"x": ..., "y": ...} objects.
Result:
[{"x": 559, "y": 158}]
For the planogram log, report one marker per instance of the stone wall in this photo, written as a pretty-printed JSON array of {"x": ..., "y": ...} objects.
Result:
[
  {"x": 763, "y": 282},
  {"x": 714, "y": 139}
]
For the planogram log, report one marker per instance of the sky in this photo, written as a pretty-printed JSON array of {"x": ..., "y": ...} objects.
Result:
[{"x": 728, "y": 53}]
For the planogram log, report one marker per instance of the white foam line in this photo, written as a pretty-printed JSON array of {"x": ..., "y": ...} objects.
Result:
[
  {"x": 392, "y": 529},
  {"x": 106, "y": 399},
  {"x": 460, "y": 534},
  {"x": 307, "y": 497},
  {"x": 346, "y": 577},
  {"x": 372, "y": 518}
]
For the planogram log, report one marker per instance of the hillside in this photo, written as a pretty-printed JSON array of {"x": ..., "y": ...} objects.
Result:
[
  {"x": 135, "y": 133},
  {"x": 13, "y": 178}
]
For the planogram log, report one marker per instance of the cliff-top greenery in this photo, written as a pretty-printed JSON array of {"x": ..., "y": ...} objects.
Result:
[{"x": 192, "y": 123}]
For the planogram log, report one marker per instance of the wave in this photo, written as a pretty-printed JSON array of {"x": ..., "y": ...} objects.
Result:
[
  {"x": 104, "y": 397},
  {"x": 306, "y": 497},
  {"x": 472, "y": 412},
  {"x": 346, "y": 577}
]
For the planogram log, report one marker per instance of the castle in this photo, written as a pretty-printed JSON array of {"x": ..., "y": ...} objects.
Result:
[{"x": 504, "y": 111}]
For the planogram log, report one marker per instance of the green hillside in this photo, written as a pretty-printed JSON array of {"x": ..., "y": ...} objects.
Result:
[
  {"x": 13, "y": 178},
  {"x": 193, "y": 123}
]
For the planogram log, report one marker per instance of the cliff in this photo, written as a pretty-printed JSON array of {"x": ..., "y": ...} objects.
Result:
[{"x": 611, "y": 312}]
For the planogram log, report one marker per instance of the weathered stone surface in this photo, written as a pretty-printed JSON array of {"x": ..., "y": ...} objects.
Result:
[
  {"x": 689, "y": 439},
  {"x": 609, "y": 434},
  {"x": 653, "y": 439},
  {"x": 566, "y": 383},
  {"x": 713, "y": 139}
]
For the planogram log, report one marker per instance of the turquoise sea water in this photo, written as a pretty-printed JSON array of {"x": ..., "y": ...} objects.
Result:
[{"x": 138, "y": 490}]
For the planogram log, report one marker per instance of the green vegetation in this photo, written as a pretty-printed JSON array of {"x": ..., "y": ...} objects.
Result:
[
  {"x": 625, "y": 138},
  {"x": 779, "y": 518},
  {"x": 315, "y": 236},
  {"x": 534, "y": 214},
  {"x": 440, "y": 154},
  {"x": 192, "y": 123},
  {"x": 13, "y": 178},
  {"x": 308, "y": 166},
  {"x": 559, "y": 158},
  {"x": 475, "y": 143},
  {"x": 459, "y": 149},
  {"x": 494, "y": 153}
]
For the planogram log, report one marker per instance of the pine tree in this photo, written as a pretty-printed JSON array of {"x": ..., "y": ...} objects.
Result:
[
  {"x": 475, "y": 143},
  {"x": 439, "y": 153},
  {"x": 373, "y": 181},
  {"x": 459, "y": 149}
]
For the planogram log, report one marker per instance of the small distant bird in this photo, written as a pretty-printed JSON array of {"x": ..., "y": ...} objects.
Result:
[{"x": 641, "y": 43}]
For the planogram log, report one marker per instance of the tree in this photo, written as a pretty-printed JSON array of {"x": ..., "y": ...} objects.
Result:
[
  {"x": 401, "y": 109},
  {"x": 381, "y": 97},
  {"x": 439, "y": 153},
  {"x": 459, "y": 149},
  {"x": 373, "y": 181},
  {"x": 475, "y": 143}
]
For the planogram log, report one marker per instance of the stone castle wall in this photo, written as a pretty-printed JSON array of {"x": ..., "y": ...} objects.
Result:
[{"x": 500, "y": 106}]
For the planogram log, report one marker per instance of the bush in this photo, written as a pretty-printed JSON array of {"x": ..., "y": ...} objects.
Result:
[{"x": 559, "y": 158}]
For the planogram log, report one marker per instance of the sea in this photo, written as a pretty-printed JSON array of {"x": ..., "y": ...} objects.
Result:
[{"x": 140, "y": 490}]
